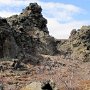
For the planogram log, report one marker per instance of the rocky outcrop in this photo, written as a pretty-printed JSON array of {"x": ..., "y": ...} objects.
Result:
[
  {"x": 78, "y": 44},
  {"x": 63, "y": 47},
  {"x": 26, "y": 34},
  {"x": 30, "y": 31}
]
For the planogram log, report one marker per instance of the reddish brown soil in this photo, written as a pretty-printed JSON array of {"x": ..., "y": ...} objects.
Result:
[{"x": 66, "y": 73}]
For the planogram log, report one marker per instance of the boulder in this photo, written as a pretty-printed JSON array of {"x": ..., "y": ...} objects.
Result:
[
  {"x": 33, "y": 86},
  {"x": 46, "y": 85}
]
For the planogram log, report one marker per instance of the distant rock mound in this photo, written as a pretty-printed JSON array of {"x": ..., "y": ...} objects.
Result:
[{"x": 78, "y": 44}]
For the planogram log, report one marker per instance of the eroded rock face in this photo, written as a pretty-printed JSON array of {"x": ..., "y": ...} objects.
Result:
[
  {"x": 30, "y": 31},
  {"x": 80, "y": 43},
  {"x": 8, "y": 46},
  {"x": 26, "y": 35}
]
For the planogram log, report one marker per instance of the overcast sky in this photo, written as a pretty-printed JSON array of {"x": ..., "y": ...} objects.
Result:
[{"x": 62, "y": 15}]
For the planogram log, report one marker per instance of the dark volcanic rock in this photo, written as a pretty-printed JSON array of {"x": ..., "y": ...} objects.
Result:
[
  {"x": 30, "y": 31},
  {"x": 8, "y": 46},
  {"x": 26, "y": 35}
]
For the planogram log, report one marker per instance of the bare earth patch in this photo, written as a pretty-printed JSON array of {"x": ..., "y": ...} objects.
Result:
[{"x": 67, "y": 74}]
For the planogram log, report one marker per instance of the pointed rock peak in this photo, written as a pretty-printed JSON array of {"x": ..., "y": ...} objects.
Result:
[{"x": 33, "y": 8}]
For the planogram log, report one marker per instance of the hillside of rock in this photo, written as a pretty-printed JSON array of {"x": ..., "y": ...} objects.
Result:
[
  {"x": 26, "y": 34},
  {"x": 31, "y": 32}
]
